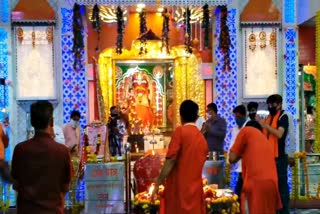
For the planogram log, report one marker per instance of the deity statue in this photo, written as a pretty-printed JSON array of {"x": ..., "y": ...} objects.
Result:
[{"x": 139, "y": 99}]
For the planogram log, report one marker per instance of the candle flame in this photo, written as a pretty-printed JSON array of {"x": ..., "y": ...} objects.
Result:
[
  {"x": 153, "y": 153},
  {"x": 151, "y": 189}
]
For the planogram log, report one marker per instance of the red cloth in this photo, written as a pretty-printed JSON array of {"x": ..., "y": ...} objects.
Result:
[
  {"x": 184, "y": 188},
  {"x": 260, "y": 181},
  {"x": 146, "y": 170}
]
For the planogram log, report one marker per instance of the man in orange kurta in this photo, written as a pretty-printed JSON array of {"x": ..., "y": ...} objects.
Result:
[
  {"x": 182, "y": 170},
  {"x": 260, "y": 184}
]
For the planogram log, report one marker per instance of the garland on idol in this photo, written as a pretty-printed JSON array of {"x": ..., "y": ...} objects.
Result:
[
  {"x": 77, "y": 27},
  {"x": 120, "y": 30},
  {"x": 165, "y": 30}
]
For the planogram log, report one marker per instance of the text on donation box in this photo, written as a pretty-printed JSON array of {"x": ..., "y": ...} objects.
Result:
[
  {"x": 104, "y": 188},
  {"x": 213, "y": 171}
]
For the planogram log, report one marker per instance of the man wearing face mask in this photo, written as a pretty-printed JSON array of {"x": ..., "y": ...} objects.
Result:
[
  {"x": 276, "y": 129},
  {"x": 252, "y": 110},
  {"x": 214, "y": 130},
  {"x": 115, "y": 132},
  {"x": 240, "y": 117},
  {"x": 71, "y": 132}
]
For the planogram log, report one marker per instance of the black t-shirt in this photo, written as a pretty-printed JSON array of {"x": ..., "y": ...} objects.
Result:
[{"x": 284, "y": 123}]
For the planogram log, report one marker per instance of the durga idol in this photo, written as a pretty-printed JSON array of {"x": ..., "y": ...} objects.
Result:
[{"x": 142, "y": 104}]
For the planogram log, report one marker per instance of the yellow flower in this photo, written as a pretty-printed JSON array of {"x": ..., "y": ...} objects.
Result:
[{"x": 88, "y": 149}]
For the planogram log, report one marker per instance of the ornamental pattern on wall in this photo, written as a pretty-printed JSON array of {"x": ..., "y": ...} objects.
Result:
[
  {"x": 74, "y": 89},
  {"x": 4, "y": 95},
  {"x": 291, "y": 82},
  {"x": 74, "y": 80},
  {"x": 4, "y": 12},
  {"x": 226, "y": 81}
]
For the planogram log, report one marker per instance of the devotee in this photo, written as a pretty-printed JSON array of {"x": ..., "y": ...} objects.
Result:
[
  {"x": 4, "y": 142},
  {"x": 184, "y": 188},
  {"x": 214, "y": 130},
  {"x": 239, "y": 113},
  {"x": 252, "y": 108},
  {"x": 309, "y": 129},
  {"x": 117, "y": 129},
  {"x": 71, "y": 132},
  {"x": 276, "y": 129},
  {"x": 260, "y": 192},
  {"x": 41, "y": 168}
]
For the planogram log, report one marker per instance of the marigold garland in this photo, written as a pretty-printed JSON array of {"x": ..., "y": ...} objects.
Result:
[
  {"x": 187, "y": 30},
  {"x": 120, "y": 29},
  {"x": 165, "y": 30},
  {"x": 78, "y": 43},
  {"x": 96, "y": 22},
  {"x": 206, "y": 25},
  {"x": 143, "y": 29},
  {"x": 295, "y": 177},
  {"x": 224, "y": 38}
]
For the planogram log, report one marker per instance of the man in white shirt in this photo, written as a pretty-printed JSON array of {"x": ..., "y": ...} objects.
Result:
[
  {"x": 199, "y": 122},
  {"x": 58, "y": 135},
  {"x": 240, "y": 116}
]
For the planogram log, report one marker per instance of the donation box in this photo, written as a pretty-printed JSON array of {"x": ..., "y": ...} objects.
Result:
[{"x": 104, "y": 188}]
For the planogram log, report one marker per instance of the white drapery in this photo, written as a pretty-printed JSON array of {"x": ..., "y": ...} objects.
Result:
[
  {"x": 35, "y": 70},
  {"x": 260, "y": 65}
]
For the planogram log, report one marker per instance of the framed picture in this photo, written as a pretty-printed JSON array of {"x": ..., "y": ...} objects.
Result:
[
  {"x": 260, "y": 76},
  {"x": 35, "y": 67},
  {"x": 145, "y": 90}
]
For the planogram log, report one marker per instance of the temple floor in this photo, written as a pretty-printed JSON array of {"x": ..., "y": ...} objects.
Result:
[{"x": 296, "y": 211}]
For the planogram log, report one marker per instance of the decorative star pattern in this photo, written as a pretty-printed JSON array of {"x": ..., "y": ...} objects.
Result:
[
  {"x": 226, "y": 87},
  {"x": 291, "y": 80},
  {"x": 74, "y": 89}
]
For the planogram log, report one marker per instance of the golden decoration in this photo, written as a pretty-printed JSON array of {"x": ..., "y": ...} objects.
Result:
[
  {"x": 188, "y": 83},
  {"x": 317, "y": 131},
  {"x": 20, "y": 34},
  {"x": 252, "y": 42},
  {"x": 263, "y": 41},
  {"x": 49, "y": 33},
  {"x": 33, "y": 34},
  {"x": 273, "y": 39}
]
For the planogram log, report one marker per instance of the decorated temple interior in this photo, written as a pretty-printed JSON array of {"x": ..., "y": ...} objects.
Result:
[{"x": 127, "y": 66}]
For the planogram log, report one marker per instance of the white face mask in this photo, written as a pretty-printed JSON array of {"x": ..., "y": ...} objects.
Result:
[
  {"x": 74, "y": 124},
  {"x": 208, "y": 116}
]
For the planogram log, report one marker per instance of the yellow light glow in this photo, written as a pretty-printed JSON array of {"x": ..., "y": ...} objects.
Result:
[
  {"x": 187, "y": 78},
  {"x": 141, "y": 5},
  {"x": 160, "y": 9},
  {"x": 139, "y": 9},
  {"x": 159, "y": 14}
]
